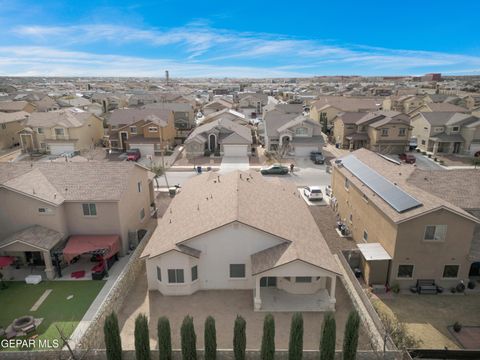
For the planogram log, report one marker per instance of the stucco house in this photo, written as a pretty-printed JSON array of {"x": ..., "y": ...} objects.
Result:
[
  {"x": 61, "y": 131},
  {"x": 228, "y": 114},
  {"x": 216, "y": 105},
  {"x": 447, "y": 132},
  {"x": 10, "y": 106},
  {"x": 219, "y": 233},
  {"x": 405, "y": 232},
  {"x": 150, "y": 130},
  {"x": 222, "y": 137},
  {"x": 183, "y": 116},
  {"x": 436, "y": 107},
  {"x": 50, "y": 202},
  {"x": 382, "y": 131},
  {"x": 10, "y": 125}
]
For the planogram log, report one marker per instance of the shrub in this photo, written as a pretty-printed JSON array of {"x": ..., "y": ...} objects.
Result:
[
  {"x": 457, "y": 327},
  {"x": 435, "y": 159},
  {"x": 295, "y": 345},
  {"x": 188, "y": 339},
  {"x": 327, "y": 342},
  {"x": 210, "y": 339},
  {"x": 350, "y": 337},
  {"x": 239, "y": 338},
  {"x": 207, "y": 153},
  {"x": 395, "y": 288},
  {"x": 164, "y": 339},
  {"x": 217, "y": 152},
  {"x": 113, "y": 341},
  {"x": 268, "y": 340},
  {"x": 142, "y": 339},
  {"x": 429, "y": 156}
]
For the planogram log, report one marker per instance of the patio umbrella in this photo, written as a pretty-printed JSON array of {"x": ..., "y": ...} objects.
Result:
[{"x": 6, "y": 261}]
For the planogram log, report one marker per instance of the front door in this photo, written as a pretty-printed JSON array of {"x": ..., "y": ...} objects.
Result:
[
  {"x": 124, "y": 137},
  {"x": 456, "y": 147},
  {"x": 268, "y": 281}
]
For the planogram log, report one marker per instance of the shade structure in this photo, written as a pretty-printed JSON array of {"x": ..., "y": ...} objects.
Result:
[
  {"x": 81, "y": 244},
  {"x": 6, "y": 261}
]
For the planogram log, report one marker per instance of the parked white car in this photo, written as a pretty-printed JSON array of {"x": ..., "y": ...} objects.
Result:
[{"x": 313, "y": 193}]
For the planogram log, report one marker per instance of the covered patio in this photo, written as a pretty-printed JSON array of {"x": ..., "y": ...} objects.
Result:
[
  {"x": 32, "y": 250},
  {"x": 446, "y": 143}
]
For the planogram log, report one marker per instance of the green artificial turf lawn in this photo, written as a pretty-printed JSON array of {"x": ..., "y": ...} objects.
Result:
[{"x": 19, "y": 297}]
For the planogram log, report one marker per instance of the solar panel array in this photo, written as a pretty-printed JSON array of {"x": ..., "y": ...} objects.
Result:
[{"x": 389, "y": 192}]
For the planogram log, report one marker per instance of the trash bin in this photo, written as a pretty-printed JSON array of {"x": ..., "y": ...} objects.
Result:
[
  {"x": 199, "y": 169},
  {"x": 337, "y": 146},
  {"x": 172, "y": 191}
]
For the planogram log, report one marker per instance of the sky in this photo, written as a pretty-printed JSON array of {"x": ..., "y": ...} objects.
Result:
[{"x": 238, "y": 38}]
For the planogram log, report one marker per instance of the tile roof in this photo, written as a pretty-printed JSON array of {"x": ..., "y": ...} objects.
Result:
[
  {"x": 443, "y": 118},
  {"x": 10, "y": 105},
  {"x": 348, "y": 103},
  {"x": 220, "y": 124},
  {"x": 67, "y": 118},
  {"x": 209, "y": 201},
  {"x": 13, "y": 116},
  {"x": 68, "y": 181},
  {"x": 37, "y": 236},
  {"x": 129, "y": 116}
]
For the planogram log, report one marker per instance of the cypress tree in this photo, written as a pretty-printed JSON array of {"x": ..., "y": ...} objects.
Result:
[
  {"x": 239, "y": 338},
  {"x": 327, "y": 342},
  {"x": 189, "y": 339},
  {"x": 113, "y": 341},
  {"x": 210, "y": 339},
  {"x": 350, "y": 337},
  {"x": 142, "y": 339},
  {"x": 164, "y": 339},
  {"x": 268, "y": 340},
  {"x": 295, "y": 345}
]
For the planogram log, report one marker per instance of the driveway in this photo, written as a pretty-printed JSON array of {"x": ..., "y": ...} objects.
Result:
[
  {"x": 230, "y": 163},
  {"x": 425, "y": 163},
  {"x": 223, "y": 305}
]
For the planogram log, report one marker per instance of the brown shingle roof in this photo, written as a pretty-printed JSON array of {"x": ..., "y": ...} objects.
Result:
[
  {"x": 205, "y": 204},
  {"x": 37, "y": 236}
]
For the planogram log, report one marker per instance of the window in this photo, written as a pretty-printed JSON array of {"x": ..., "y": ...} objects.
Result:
[
  {"x": 347, "y": 183},
  {"x": 237, "y": 270},
  {"x": 405, "y": 271},
  {"x": 437, "y": 129},
  {"x": 303, "y": 279},
  {"x": 302, "y": 131},
  {"x": 139, "y": 186},
  {"x": 175, "y": 276},
  {"x": 89, "y": 209},
  {"x": 269, "y": 281},
  {"x": 40, "y": 130},
  {"x": 423, "y": 142},
  {"x": 384, "y": 132},
  {"x": 4, "y": 126},
  {"x": 365, "y": 235},
  {"x": 194, "y": 273},
  {"x": 153, "y": 129},
  {"x": 456, "y": 129},
  {"x": 402, "y": 132},
  {"x": 133, "y": 130},
  {"x": 435, "y": 232},
  {"x": 142, "y": 213},
  {"x": 450, "y": 271},
  {"x": 159, "y": 273},
  {"x": 59, "y": 132},
  {"x": 44, "y": 210},
  {"x": 43, "y": 145}
]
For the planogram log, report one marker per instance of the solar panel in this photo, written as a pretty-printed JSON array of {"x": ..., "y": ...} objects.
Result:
[{"x": 389, "y": 192}]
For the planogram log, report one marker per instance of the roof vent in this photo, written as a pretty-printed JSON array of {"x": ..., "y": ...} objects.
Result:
[
  {"x": 240, "y": 176},
  {"x": 218, "y": 178}
]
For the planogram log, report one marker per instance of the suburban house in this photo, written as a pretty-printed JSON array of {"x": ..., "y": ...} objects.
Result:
[
  {"x": 222, "y": 137},
  {"x": 9, "y": 106},
  {"x": 10, "y": 125},
  {"x": 49, "y": 204},
  {"x": 228, "y": 114},
  {"x": 436, "y": 107},
  {"x": 183, "y": 116},
  {"x": 216, "y": 105},
  {"x": 61, "y": 131},
  {"x": 46, "y": 103},
  {"x": 404, "y": 233},
  {"x": 291, "y": 133},
  {"x": 382, "y": 131},
  {"x": 472, "y": 101},
  {"x": 281, "y": 113},
  {"x": 447, "y": 132},
  {"x": 219, "y": 233},
  {"x": 403, "y": 103},
  {"x": 251, "y": 104},
  {"x": 150, "y": 131},
  {"x": 331, "y": 106}
]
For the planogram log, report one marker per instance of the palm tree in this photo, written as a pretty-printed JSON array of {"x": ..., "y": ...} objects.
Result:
[{"x": 158, "y": 170}]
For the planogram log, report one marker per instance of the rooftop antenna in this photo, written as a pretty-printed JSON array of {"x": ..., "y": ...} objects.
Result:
[{"x": 167, "y": 77}]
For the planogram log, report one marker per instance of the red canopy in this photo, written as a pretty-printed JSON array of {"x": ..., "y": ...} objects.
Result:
[
  {"x": 81, "y": 244},
  {"x": 6, "y": 261}
]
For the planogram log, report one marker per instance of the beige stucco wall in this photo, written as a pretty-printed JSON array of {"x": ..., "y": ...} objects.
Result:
[
  {"x": 88, "y": 135},
  {"x": 419, "y": 124},
  {"x": 9, "y": 135}
]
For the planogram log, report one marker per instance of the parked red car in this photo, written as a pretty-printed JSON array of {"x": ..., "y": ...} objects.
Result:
[
  {"x": 133, "y": 155},
  {"x": 408, "y": 158}
]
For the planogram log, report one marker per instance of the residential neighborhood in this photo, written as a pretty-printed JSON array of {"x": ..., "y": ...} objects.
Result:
[{"x": 171, "y": 188}]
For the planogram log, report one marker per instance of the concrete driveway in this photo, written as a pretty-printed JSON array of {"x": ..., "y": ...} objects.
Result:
[{"x": 230, "y": 163}]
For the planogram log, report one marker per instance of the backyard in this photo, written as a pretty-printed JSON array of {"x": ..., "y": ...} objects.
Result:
[{"x": 64, "y": 306}]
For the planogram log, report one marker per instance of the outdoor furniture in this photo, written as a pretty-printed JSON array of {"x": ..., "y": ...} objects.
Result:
[
  {"x": 426, "y": 286},
  {"x": 78, "y": 274},
  {"x": 33, "y": 279},
  {"x": 22, "y": 323},
  {"x": 28, "y": 329}
]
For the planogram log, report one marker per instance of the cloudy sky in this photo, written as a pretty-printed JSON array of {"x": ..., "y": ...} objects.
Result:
[{"x": 238, "y": 38}]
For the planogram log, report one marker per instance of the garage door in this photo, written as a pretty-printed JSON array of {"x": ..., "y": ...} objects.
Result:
[
  {"x": 235, "y": 150},
  {"x": 145, "y": 149},
  {"x": 305, "y": 150},
  {"x": 57, "y": 149},
  {"x": 474, "y": 148}
]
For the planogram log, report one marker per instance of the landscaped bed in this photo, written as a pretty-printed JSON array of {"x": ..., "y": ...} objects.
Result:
[{"x": 64, "y": 306}]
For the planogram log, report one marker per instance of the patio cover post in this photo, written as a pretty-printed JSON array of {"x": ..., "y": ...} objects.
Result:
[
  {"x": 333, "y": 281},
  {"x": 48, "y": 265},
  {"x": 257, "y": 300}
]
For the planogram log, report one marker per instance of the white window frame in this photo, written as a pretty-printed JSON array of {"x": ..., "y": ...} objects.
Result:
[
  {"x": 153, "y": 129},
  {"x": 58, "y": 128},
  {"x": 196, "y": 273},
  {"x": 176, "y": 272},
  {"x": 402, "y": 131},
  {"x": 142, "y": 214},
  {"x": 455, "y": 127},
  {"x": 45, "y": 211},
  {"x": 404, "y": 277},
  {"x": 159, "y": 274},
  {"x": 133, "y": 130},
  {"x": 384, "y": 132},
  {"x": 365, "y": 238},
  {"x": 40, "y": 130},
  {"x": 89, "y": 205},
  {"x": 436, "y": 237},
  {"x": 139, "y": 186},
  {"x": 237, "y": 277},
  {"x": 450, "y": 278}
]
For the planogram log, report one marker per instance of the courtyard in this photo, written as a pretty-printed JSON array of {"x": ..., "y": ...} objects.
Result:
[
  {"x": 224, "y": 305},
  {"x": 64, "y": 306}
]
